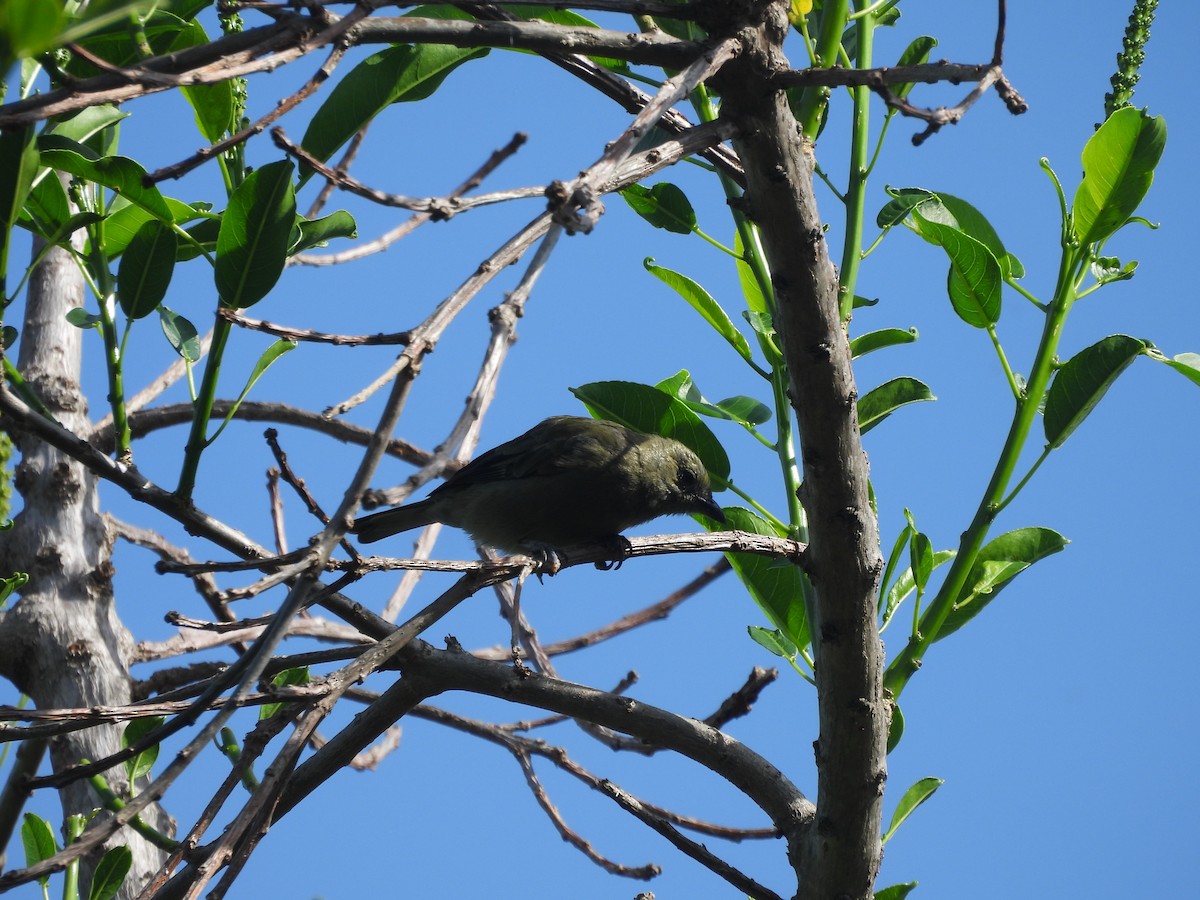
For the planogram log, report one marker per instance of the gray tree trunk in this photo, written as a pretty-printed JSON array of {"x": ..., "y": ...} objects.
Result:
[{"x": 63, "y": 643}]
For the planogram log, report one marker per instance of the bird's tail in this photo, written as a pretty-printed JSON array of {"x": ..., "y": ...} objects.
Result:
[{"x": 392, "y": 521}]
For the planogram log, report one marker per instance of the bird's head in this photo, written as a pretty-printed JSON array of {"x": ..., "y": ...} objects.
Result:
[{"x": 677, "y": 480}]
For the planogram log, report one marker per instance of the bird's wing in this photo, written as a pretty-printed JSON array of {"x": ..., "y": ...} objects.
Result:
[{"x": 551, "y": 447}]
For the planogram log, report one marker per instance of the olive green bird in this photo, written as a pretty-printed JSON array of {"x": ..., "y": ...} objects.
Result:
[{"x": 568, "y": 480}]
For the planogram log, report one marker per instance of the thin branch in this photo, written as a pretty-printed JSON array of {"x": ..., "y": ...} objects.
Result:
[{"x": 316, "y": 337}]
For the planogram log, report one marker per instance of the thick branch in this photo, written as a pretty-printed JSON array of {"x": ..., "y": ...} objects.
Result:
[{"x": 841, "y": 854}]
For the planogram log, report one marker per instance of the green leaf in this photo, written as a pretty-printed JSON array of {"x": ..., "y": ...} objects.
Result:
[
  {"x": 895, "y": 727},
  {"x": 1186, "y": 364},
  {"x": 701, "y": 301},
  {"x": 8, "y": 336},
  {"x": 1000, "y": 560},
  {"x": 81, "y": 318},
  {"x": 896, "y": 891},
  {"x": 1118, "y": 169},
  {"x": 88, "y": 122},
  {"x": 140, "y": 765},
  {"x": 27, "y": 28},
  {"x": 903, "y": 202},
  {"x": 663, "y": 206},
  {"x": 398, "y": 74},
  {"x": 124, "y": 219},
  {"x": 651, "y": 411},
  {"x": 110, "y": 873},
  {"x": 764, "y": 326},
  {"x": 743, "y": 410},
  {"x": 47, "y": 204},
  {"x": 255, "y": 233},
  {"x": 145, "y": 270},
  {"x": 777, "y": 586},
  {"x": 213, "y": 105},
  {"x": 906, "y": 584},
  {"x": 752, "y": 291},
  {"x": 975, "y": 279},
  {"x": 915, "y": 54},
  {"x": 180, "y": 333},
  {"x": 286, "y": 678},
  {"x": 913, "y": 797},
  {"x": 318, "y": 232},
  {"x": 18, "y": 165},
  {"x": 878, "y": 340},
  {"x": 881, "y": 402},
  {"x": 1083, "y": 380},
  {"x": 921, "y": 559},
  {"x": 268, "y": 359},
  {"x": 774, "y": 640},
  {"x": 118, "y": 173},
  {"x": 38, "y": 840}
]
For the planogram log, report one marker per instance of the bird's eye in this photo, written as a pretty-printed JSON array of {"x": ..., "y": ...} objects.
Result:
[{"x": 687, "y": 480}]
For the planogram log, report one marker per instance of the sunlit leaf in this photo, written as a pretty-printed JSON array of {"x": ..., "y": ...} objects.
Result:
[{"x": 1083, "y": 380}]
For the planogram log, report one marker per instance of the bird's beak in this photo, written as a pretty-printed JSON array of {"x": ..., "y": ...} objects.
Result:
[{"x": 705, "y": 506}]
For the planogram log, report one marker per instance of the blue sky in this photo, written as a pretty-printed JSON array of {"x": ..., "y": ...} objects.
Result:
[{"x": 1061, "y": 719}]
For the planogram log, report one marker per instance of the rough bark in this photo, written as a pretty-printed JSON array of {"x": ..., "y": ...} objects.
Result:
[
  {"x": 841, "y": 855},
  {"x": 64, "y": 643}
]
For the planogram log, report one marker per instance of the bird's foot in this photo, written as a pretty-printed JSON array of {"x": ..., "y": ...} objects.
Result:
[{"x": 620, "y": 549}]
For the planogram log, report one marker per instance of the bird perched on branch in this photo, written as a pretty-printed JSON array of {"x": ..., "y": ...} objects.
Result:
[{"x": 568, "y": 480}]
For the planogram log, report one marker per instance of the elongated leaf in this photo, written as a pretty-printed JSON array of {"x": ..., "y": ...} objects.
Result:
[
  {"x": 110, "y": 873},
  {"x": 1083, "y": 380},
  {"x": 915, "y": 54},
  {"x": 877, "y": 340},
  {"x": 18, "y": 165},
  {"x": 181, "y": 333},
  {"x": 744, "y": 410},
  {"x": 752, "y": 291},
  {"x": 774, "y": 641},
  {"x": 777, "y": 586},
  {"x": 651, "y": 411},
  {"x": 89, "y": 122},
  {"x": 1000, "y": 560},
  {"x": 38, "y": 840},
  {"x": 145, "y": 271},
  {"x": 47, "y": 204},
  {"x": 401, "y": 73},
  {"x": 268, "y": 359},
  {"x": 140, "y": 765},
  {"x": 288, "y": 677},
  {"x": 118, "y": 173},
  {"x": 29, "y": 28},
  {"x": 255, "y": 233},
  {"x": 1186, "y": 364},
  {"x": 318, "y": 232},
  {"x": 1118, "y": 169},
  {"x": 906, "y": 584},
  {"x": 124, "y": 219},
  {"x": 663, "y": 206},
  {"x": 701, "y": 301},
  {"x": 903, "y": 202},
  {"x": 896, "y": 891},
  {"x": 895, "y": 727},
  {"x": 882, "y": 401},
  {"x": 763, "y": 325},
  {"x": 212, "y": 104},
  {"x": 975, "y": 278},
  {"x": 913, "y": 797}
]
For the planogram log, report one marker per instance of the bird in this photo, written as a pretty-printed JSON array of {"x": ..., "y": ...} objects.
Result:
[{"x": 568, "y": 480}]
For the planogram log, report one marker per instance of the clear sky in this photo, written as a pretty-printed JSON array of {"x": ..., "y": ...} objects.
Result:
[{"x": 1062, "y": 719}]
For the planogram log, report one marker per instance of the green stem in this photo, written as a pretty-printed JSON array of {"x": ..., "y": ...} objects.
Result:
[
  {"x": 1008, "y": 372},
  {"x": 834, "y": 16},
  {"x": 1026, "y": 414},
  {"x": 202, "y": 409},
  {"x": 856, "y": 189}
]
